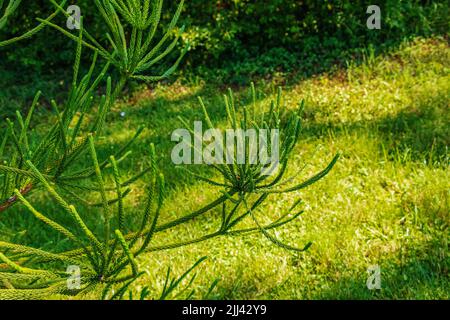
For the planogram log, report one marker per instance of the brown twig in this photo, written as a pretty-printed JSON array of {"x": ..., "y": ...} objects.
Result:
[{"x": 11, "y": 201}]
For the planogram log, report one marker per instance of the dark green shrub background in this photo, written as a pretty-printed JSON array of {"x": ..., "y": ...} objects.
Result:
[{"x": 239, "y": 39}]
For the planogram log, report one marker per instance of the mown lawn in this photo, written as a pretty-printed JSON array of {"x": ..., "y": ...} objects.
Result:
[{"x": 385, "y": 203}]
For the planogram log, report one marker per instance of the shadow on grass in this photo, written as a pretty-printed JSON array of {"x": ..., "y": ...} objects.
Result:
[{"x": 416, "y": 273}]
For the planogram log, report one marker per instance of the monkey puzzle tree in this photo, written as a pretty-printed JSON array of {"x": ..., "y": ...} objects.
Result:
[{"x": 106, "y": 251}]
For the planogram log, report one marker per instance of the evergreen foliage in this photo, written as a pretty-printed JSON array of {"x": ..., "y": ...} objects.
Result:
[
  {"x": 64, "y": 142},
  {"x": 134, "y": 55},
  {"x": 8, "y": 11},
  {"x": 107, "y": 256}
]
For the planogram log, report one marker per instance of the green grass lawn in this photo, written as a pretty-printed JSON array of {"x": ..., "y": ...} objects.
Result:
[{"x": 385, "y": 203}]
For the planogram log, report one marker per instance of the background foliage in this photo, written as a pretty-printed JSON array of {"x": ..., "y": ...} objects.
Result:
[
  {"x": 232, "y": 41},
  {"x": 246, "y": 38}
]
